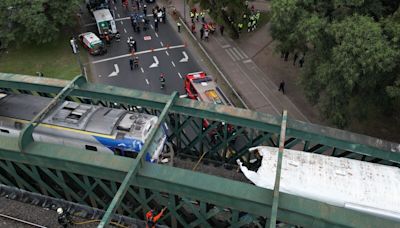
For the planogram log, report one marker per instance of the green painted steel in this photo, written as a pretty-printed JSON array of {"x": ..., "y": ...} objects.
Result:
[
  {"x": 275, "y": 200},
  {"x": 25, "y": 136},
  {"x": 192, "y": 199},
  {"x": 136, "y": 166},
  {"x": 157, "y": 185},
  {"x": 330, "y": 137}
]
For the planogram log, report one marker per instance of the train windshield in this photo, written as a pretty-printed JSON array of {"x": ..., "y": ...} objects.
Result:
[{"x": 156, "y": 147}]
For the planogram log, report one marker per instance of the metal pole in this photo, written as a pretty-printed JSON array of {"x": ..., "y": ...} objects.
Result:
[
  {"x": 275, "y": 200},
  {"x": 184, "y": 10}
]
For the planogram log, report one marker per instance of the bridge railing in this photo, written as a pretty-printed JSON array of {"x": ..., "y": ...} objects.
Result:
[
  {"x": 193, "y": 199},
  {"x": 220, "y": 134}
]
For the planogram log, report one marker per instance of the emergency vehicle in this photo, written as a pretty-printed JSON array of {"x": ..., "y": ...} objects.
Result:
[
  {"x": 92, "y": 43},
  {"x": 105, "y": 22},
  {"x": 201, "y": 87}
]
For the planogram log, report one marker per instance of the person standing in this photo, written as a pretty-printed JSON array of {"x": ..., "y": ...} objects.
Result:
[
  {"x": 156, "y": 25},
  {"x": 145, "y": 10},
  {"x": 179, "y": 26},
  {"x": 206, "y": 32},
  {"x": 131, "y": 63},
  {"x": 201, "y": 33},
  {"x": 193, "y": 28},
  {"x": 301, "y": 61},
  {"x": 221, "y": 29},
  {"x": 164, "y": 15},
  {"x": 286, "y": 56},
  {"x": 295, "y": 58},
  {"x": 282, "y": 87}
]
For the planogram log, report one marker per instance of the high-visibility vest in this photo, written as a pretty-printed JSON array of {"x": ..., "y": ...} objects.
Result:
[
  {"x": 258, "y": 15},
  {"x": 191, "y": 14}
]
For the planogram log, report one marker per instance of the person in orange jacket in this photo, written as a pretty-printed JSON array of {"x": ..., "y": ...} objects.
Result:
[{"x": 151, "y": 218}]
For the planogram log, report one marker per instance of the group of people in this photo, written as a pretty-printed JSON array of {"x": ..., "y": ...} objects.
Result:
[
  {"x": 296, "y": 56},
  {"x": 206, "y": 28},
  {"x": 159, "y": 15},
  {"x": 250, "y": 20}
]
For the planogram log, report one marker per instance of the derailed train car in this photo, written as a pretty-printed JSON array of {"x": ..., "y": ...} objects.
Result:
[
  {"x": 343, "y": 182},
  {"x": 83, "y": 126}
]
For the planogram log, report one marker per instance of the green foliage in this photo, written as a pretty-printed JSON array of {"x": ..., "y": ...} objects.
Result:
[
  {"x": 352, "y": 47},
  {"x": 38, "y": 21}
]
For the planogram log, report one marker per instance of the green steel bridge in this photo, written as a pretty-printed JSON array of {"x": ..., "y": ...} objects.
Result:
[{"x": 131, "y": 186}]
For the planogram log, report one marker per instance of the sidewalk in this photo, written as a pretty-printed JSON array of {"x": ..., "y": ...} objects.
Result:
[{"x": 255, "y": 71}]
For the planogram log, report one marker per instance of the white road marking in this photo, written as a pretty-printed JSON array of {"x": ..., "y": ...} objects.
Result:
[
  {"x": 238, "y": 53},
  {"x": 156, "y": 34},
  {"x": 151, "y": 26},
  {"x": 244, "y": 54},
  {"x": 147, "y": 81},
  {"x": 125, "y": 30},
  {"x": 156, "y": 62},
  {"x": 180, "y": 75},
  {"x": 226, "y": 46},
  {"x": 166, "y": 52},
  {"x": 247, "y": 61},
  {"x": 185, "y": 57},
  {"x": 162, "y": 45},
  {"x": 118, "y": 15},
  {"x": 122, "y": 22},
  {"x": 114, "y": 73},
  {"x": 115, "y": 7},
  {"x": 141, "y": 68},
  {"x": 173, "y": 64},
  {"x": 138, "y": 53},
  {"x": 99, "y": 75},
  {"x": 230, "y": 55},
  {"x": 234, "y": 54}
]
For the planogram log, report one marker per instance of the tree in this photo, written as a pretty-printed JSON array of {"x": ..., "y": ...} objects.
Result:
[
  {"x": 352, "y": 52},
  {"x": 39, "y": 21}
]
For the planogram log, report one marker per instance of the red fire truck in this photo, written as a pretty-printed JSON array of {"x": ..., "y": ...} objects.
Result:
[{"x": 201, "y": 87}]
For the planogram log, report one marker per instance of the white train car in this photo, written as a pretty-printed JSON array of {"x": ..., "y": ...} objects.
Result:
[{"x": 357, "y": 185}]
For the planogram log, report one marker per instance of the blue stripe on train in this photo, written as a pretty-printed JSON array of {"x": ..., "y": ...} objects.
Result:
[{"x": 124, "y": 144}]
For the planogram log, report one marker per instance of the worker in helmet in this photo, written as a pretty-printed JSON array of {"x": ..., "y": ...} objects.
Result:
[
  {"x": 162, "y": 80},
  {"x": 136, "y": 62},
  {"x": 64, "y": 218},
  {"x": 152, "y": 218}
]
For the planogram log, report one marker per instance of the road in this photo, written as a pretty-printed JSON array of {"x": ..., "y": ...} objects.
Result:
[{"x": 159, "y": 52}]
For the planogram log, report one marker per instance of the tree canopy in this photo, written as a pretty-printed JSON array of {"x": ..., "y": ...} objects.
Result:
[
  {"x": 352, "y": 50},
  {"x": 39, "y": 21}
]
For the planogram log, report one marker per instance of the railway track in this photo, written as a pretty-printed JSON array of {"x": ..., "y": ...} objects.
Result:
[{"x": 21, "y": 221}]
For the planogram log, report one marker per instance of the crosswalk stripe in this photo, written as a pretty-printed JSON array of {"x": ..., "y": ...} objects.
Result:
[
  {"x": 234, "y": 54},
  {"x": 230, "y": 55},
  {"x": 239, "y": 54},
  {"x": 244, "y": 54}
]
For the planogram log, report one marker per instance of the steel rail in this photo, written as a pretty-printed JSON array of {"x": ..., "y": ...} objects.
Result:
[{"x": 22, "y": 221}]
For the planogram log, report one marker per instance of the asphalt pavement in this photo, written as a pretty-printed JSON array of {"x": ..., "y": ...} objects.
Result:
[
  {"x": 159, "y": 52},
  {"x": 242, "y": 62}
]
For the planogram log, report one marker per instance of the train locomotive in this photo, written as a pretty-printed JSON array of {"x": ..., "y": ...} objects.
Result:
[{"x": 83, "y": 126}]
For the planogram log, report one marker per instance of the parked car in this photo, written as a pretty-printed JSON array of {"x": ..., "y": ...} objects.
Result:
[{"x": 92, "y": 43}]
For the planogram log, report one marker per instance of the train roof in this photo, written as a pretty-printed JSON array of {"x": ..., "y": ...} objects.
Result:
[
  {"x": 359, "y": 185},
  {"x": 22, "y": 106},
  {"x": 77, "y": 116}
]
